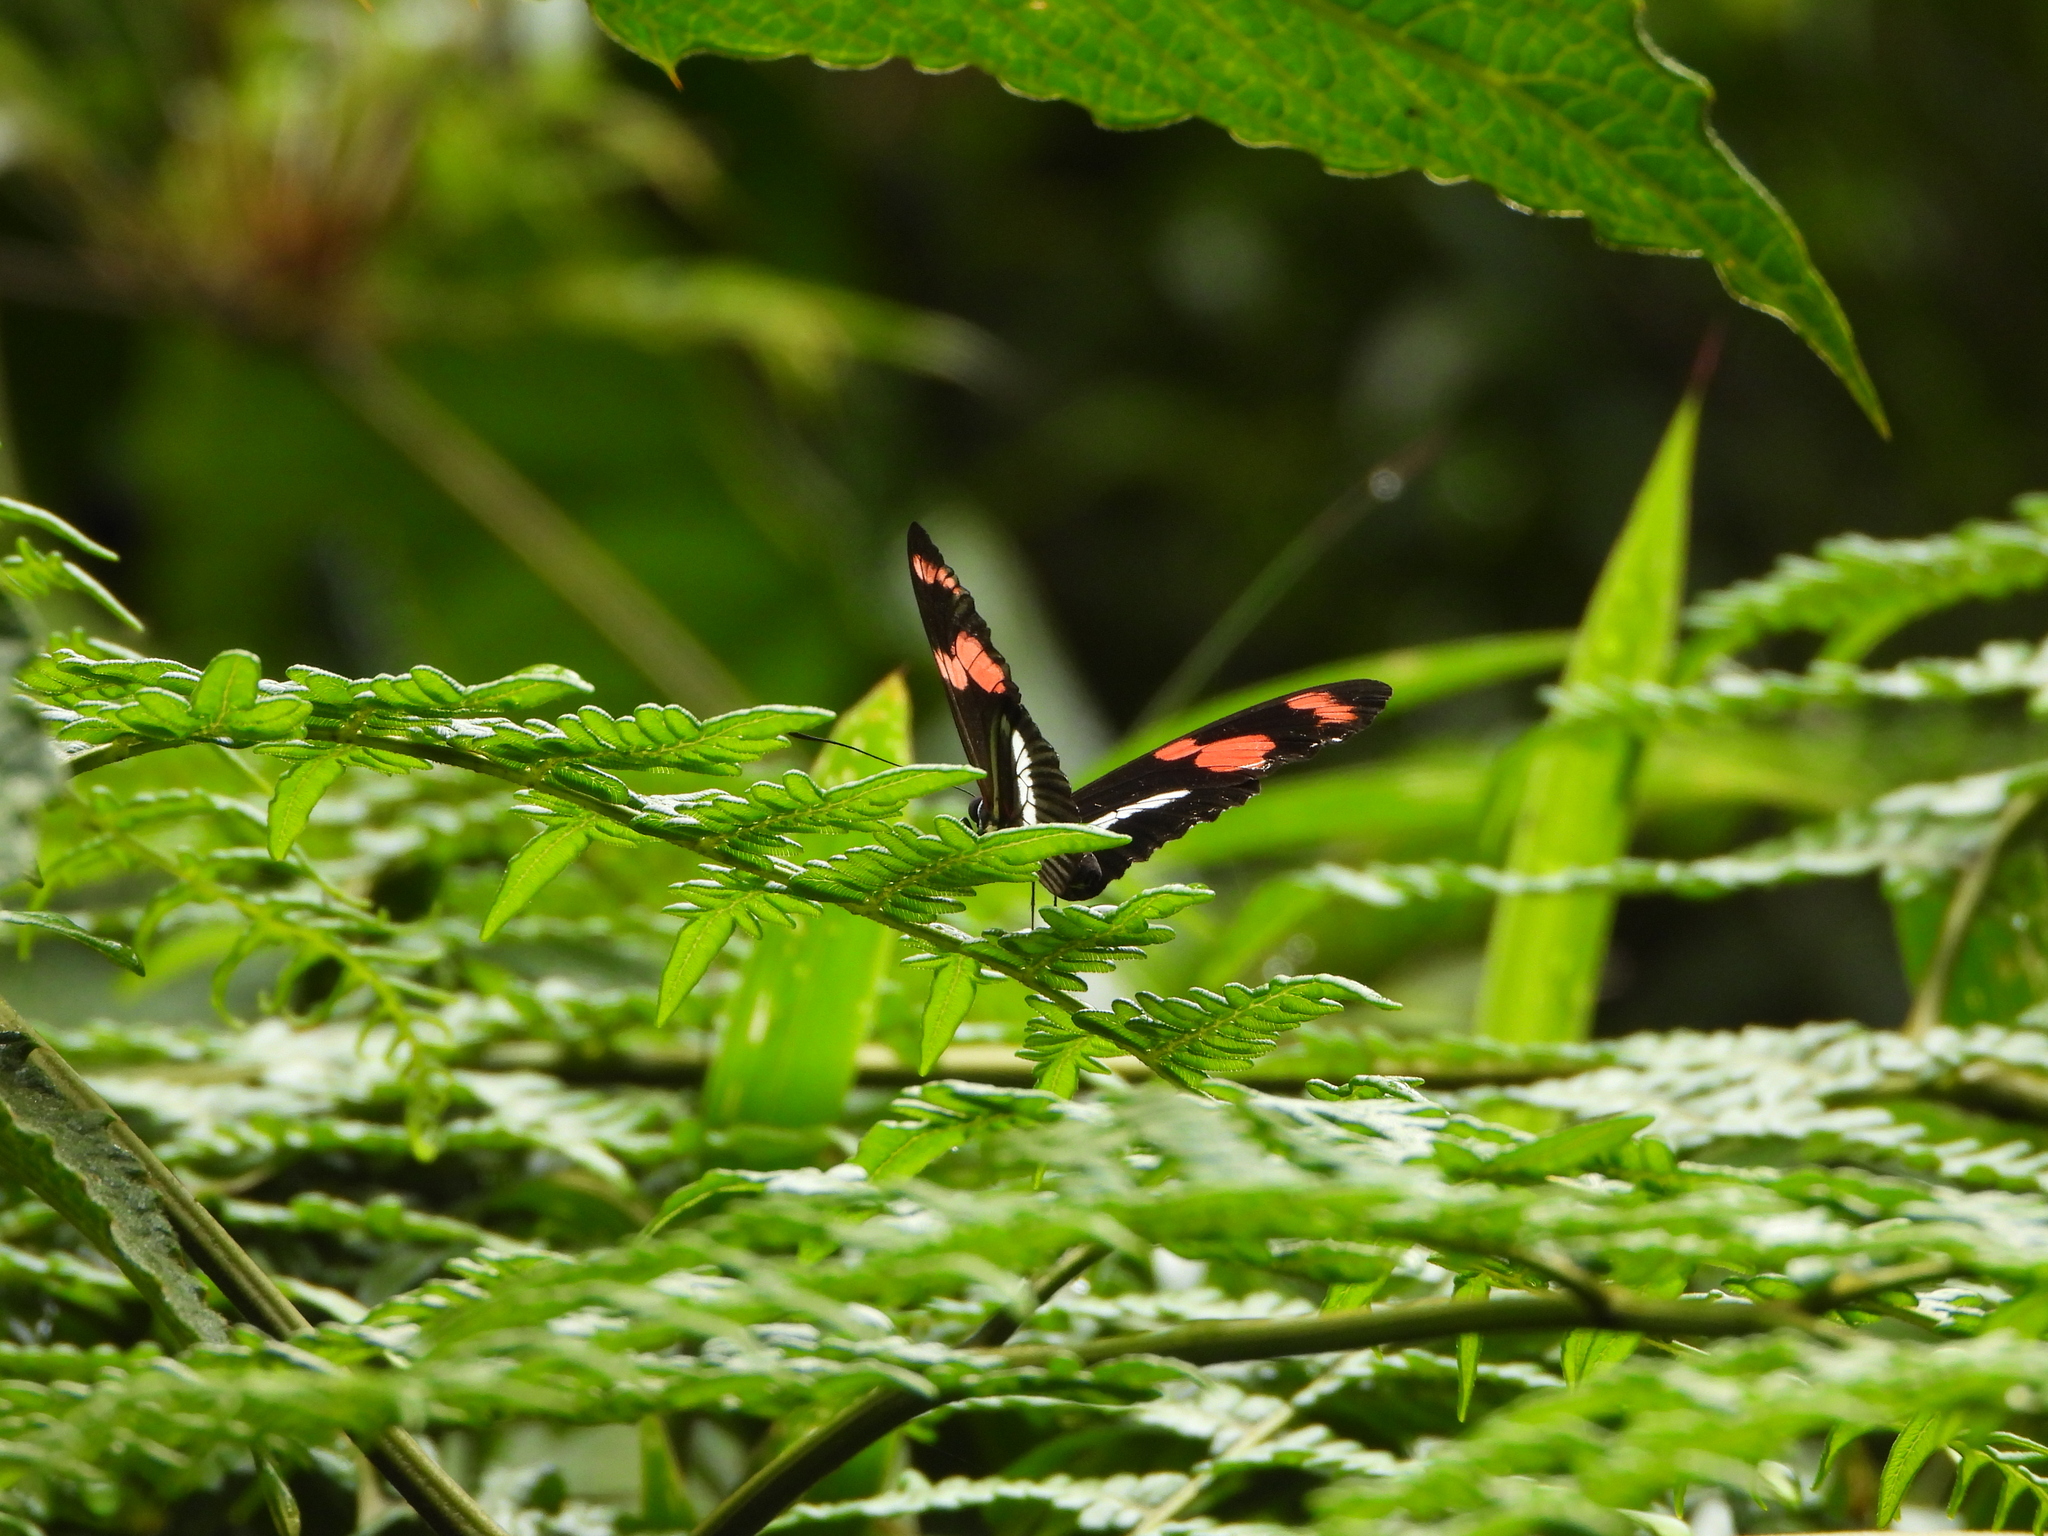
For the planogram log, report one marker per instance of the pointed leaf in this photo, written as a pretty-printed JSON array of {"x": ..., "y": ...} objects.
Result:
[
  {"x": 298, "y": 791},
  {"x": 550, "y": 852},
  {"x": 1473, "y": 1288},
  {"x": 952, "y": 994},
  {"x": 1923, "y": 1435},
  {"x": 696, "y": 946},
  {"x": 38, "y": 517},
  {"x": 1545, "y": 952},
  {"x": 65, "y": 928},
  {"x": 1560, "y": 109},
  {"x": 1569, "y": 1150}
]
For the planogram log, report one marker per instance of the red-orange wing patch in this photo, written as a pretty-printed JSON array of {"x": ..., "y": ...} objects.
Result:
[
  {"x": 1329, "y": 710},
  {"x": 1234, "y": 754},
  {"x": 973, "y": 664},
  {"x": 936, "y": 575}
]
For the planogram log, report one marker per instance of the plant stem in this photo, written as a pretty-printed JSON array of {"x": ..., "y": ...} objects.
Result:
[
  {"x": 439, "y": 1500},
  {"x": 765, "y": 1495},
  {"x": 780, "y": 1483},
  {"x": 581, "y": 571},
  {"x": 1383, "y": 483},
  {"x": 1930, "y": 998}
]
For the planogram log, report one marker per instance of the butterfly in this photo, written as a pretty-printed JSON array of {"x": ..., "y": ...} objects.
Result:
[{"x": 1151, "y": 799}]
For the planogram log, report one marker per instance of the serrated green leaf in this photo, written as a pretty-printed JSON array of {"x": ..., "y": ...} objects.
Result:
[
  {"x": 1559, "y": 110},
  {"x": 1186, "y": 1038},
  {"x": 697, "y": 945},
  {"x": 528, "y": 688},
  {"x": 1923, "y": 1435},
  {"x": 298, "y": 791},
  {"x": 1975, "y": 1459},
  {"x": 66, "y": 928},
  {"x": 1060, "y": 1051},
  {"x": 951, "y": 995},
  {"x": 701, "y": 1191},
  {"x": 553, "y": 849},
  {"x": 931, "y": 1119},
  {"x": 268, "y": 718}
]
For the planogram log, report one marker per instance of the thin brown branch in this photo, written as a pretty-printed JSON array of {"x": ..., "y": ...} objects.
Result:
[
  {"x": 783, "y": 1481},
  {"x": 763, "y": 1497},
  {"x": 578, "y": 569},
  {"x": 439, "y": 1500}
]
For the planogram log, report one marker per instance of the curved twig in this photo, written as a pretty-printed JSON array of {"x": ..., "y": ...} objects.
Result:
[
  {"x": 784, "y": 1480},
  {"x": 765, "y": 1495}
]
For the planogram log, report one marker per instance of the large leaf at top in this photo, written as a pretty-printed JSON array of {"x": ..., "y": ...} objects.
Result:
[{"x": 1561, "y": 109}]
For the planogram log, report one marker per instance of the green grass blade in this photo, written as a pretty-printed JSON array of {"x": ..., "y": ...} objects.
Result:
[
  {"x": 1561, "y": 109},
  {"x": 1544, "y": 952},
  {"x": 807, "y": 995}
]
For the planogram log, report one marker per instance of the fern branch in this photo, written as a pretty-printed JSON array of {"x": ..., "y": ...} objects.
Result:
[
  {"x": 649, "y": 817},
  {"x": 2001, "y": 667},
  {"x": 1856, "y": 590},
  {"x": 759, "y": 1501}
]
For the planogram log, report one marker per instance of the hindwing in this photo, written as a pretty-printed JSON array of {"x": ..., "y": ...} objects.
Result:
[{"x": 1151, "y": 799}]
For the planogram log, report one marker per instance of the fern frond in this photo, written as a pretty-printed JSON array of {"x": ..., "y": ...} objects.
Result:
[
  {"x": 2001, "y": 667},
  {"x": 1074, "y": 940},
  {"x": 95, "y": 700},
  {"x": 1911, "y": 833},
  {"x": 770, "y": 814},
  {"x": 1184, "y": 1039},
  {"x": 929, "y": 1120},
  {"x": 912, "y": 876},
  {"x": 1855, "y": 590}
]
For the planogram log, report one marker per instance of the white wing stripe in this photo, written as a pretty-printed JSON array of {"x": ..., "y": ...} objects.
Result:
[
  {"x": 1108, "y": 820},
  {"x": 1027, "y": 789}
]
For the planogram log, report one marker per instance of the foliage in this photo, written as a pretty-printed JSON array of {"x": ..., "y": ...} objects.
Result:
[
  {"x": 541, "y": 1052},
  {"x": 1559, "y": 113},
  {"x": 444, "y": 941}
]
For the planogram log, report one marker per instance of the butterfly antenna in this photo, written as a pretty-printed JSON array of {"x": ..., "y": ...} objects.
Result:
[
  {"x": 844, "y": 746},
  {"x": 827, "y": 741}
]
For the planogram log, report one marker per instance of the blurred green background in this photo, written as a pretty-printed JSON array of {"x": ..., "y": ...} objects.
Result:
[{"x": 711, "y": 325}]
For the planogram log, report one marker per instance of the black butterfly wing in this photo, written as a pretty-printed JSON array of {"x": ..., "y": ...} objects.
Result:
[
  {"x": 1197, "y": 777},
  {"x": 1025, "y": 782}
]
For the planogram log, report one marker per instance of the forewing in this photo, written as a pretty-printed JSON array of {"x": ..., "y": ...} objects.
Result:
[
  {"x": 1025, "y": 781},
  {"x": 1197, "y": 777}
]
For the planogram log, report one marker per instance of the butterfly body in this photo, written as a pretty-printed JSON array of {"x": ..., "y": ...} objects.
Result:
[{"x": 1151, "y": 799}]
